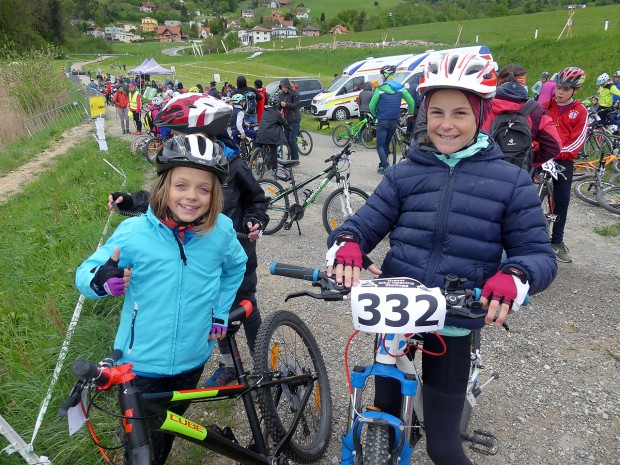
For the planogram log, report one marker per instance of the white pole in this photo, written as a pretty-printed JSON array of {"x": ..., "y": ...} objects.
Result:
[
  {"x": 606, "y": 24},
  {"x": 536, "y": 34},
  {"x": 476, "y": 38}
]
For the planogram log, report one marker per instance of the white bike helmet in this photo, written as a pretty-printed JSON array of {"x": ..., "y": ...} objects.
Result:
[
  {"x": 459, "y": 71},
  {"x": 602, "y": 79},
  {"x": 617, "y": 74},
  {"x": 157, "y": 100}
]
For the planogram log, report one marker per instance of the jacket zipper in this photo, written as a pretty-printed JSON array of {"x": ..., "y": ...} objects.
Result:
[
  {"x": 133, "y": 326},
  {"x": 441, "y": 230}
]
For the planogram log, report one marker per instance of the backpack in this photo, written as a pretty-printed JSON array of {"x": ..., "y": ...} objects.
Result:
[
  {"x": 250, "y": 102},
  {"x": 511, "y": 131},
  {"x": 148, "y": 120}
]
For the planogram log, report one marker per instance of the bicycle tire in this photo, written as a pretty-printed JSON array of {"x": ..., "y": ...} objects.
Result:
[
  {"x": 545, "y": 194},
  {"x": 257, "y": 163},
  {"x": 334, "y": 208},
  {"x": 369, "y": 137},
  {"x": 304, "y": 142},
  {"x": 597, "y": 142},
  {"x": 609, "y": 199},
  {"x": 138, "y": 144},
  {"x": 286, "y": 347},
  {"x": 614, "y": 178},
  {"x": 277, "y": 211},
  {"x": 587, "y": 189},
  {"x": 615, "y": 166},
  {"x": 341, "y": 135},
  {"x": 152, "y": 148},
  {"x": 376, "y": 449}
]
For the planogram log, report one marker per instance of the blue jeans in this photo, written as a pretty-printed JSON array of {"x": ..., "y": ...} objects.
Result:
[
  {"x": 385, "y": 132},
  {"x": 291, "y": 136}
]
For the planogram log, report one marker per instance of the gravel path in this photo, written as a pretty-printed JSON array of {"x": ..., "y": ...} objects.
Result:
[{"x": 558, "y": 397}]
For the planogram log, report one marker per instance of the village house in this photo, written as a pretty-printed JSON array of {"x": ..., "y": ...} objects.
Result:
[
  {"x": 146, "y": 7},
  {"x": 311, "y": 31},
  {"x": 338, "y": 29},
  {"x": 279, "y": 21},
  {"x": 172, "y": 23},
  {"x": 276, "y": 13},
  {"x": 168, "y": 34},
  {"x": 247, "y": 13},
  {"x": 204, "y": 32},
  {"x": 149, "y": 24},
  {"x": 302, "y": 13},
  {"x": 283, "y": 32},
  {"x": 233, "y": 23},
  {"x": 95, "y": 32}
]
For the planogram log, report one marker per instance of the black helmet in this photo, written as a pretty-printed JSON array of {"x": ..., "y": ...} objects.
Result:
[
  {"x": 274, "y": 99},
  {"x": 388, "y": 70},
  {"x": 193, "y": 151},
  {"x": 544, "y": 75}
]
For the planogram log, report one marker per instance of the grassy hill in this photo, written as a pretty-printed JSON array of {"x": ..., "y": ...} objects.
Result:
[{"x": 511, "y": 39}]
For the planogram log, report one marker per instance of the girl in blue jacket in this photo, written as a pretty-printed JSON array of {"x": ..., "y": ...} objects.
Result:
[
  {"x": 452, "y": 207},
  {"x": 179, "y": 266}
]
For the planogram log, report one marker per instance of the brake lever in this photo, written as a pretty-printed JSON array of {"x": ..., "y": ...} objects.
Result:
[{"x": 330, "y": 291}]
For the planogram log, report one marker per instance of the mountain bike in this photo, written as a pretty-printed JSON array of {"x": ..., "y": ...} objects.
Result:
[
  {"x": 148, "y": 145},
  {"x": 304, "y": 146},
  {"x": 598, "y": 145},
  {"x": 339, "y": 205},
  {"x": 289, "y": 381},
  {"x": 419, "y": 310},
  {"x": 609, "y": 199},
  {"x": 363, "y": 131},
  {"x": 543, "y": 181},
  {"x": 399, "y": 145},
  {"x": 587, "y": 187}
]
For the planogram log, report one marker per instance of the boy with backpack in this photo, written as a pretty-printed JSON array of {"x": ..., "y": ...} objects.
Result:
[
  {"x": 252, "y": 97},
  {"x": 522, "y": 128}
]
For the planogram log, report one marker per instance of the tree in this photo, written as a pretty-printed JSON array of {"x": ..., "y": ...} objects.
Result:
[
  {"x": 360, "y": 21},
  {"x": 322, "y": 17}
]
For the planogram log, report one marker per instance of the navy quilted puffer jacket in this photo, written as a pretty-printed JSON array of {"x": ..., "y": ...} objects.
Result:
[{"x": 443, "y": 220}]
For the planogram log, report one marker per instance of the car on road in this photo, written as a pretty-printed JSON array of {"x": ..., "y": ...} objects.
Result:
[{"x": 307, "y": 87}]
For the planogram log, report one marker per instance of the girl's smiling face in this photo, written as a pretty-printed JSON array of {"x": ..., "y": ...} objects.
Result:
[
  {"x": 451, "y": 123},
  {"x": 190, "y": 193}
]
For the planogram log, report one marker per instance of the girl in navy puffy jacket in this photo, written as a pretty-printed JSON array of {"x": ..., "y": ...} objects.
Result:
[{"x": 452, "y": 207}]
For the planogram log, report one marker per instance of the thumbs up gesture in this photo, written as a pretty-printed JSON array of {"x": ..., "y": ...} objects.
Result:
[{"x": 110, "y": 278}]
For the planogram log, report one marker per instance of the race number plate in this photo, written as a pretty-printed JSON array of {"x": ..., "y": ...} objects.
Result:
[{"x": 397, "y": 305}]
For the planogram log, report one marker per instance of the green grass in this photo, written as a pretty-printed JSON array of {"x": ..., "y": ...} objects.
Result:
[
  {"x": 609, "y": 231},
  {"x": 58, "y": 220}
]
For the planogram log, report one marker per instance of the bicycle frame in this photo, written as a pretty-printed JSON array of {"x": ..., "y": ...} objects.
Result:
[{"x": 141, "y": 413}]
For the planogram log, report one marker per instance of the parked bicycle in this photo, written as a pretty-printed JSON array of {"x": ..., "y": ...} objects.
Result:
[
  {"x": 339, "y": 205},
  {"x": 147, "y": 145},
  {"x": 366, "y": 439},
  {"x": 399, "y": 145},
  {"x": 543, "y": 180},
  {"x": 587, "y": 187},
  {"x": 363, "y": 131},
  {"x": 289, "y": 380}
]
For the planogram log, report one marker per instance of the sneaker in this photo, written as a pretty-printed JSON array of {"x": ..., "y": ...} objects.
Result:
[
  {"x": 137, "y": 133},
  {"x": 561, "y": 252},
  {"x": 220, "y": 377},
  {"x": 382, "y": 169}
]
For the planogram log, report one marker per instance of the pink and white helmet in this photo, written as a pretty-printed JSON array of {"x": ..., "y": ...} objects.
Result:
[
  {"x": 459, "y": 71},
  {"x": 191, "y": 112}
]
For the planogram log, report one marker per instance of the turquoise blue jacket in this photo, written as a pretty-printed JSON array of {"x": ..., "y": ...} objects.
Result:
[{"x": 176, "y": 301}]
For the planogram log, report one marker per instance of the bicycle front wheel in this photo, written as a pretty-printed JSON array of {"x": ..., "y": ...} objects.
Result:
[
  {"x": 278, "y": 209},
  {"x": 338, "y": 208},
  {"x": 285, "y": 347},
  {"x": 369, "y": 137},
  {"x": 152, "y": 148},
  {"x": 137, "y": 145},
  {"x": 341, "y": 135},
  {"x": 257, "y": 163},
  {"x": 609, "y": 199},
  {"x": 587, "y": 189},
  {"x": 376, "y": 450},
  {"x": 304, "y": 142},
  {"x": 596, "y": 143}
]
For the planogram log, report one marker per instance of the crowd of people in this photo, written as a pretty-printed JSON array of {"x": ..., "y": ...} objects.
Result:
[{"x": 211, "y": 211}]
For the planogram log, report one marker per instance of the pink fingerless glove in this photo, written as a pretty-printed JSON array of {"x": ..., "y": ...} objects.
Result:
[
  {"x": 346, "y": 250},
  {"x": 509, "y": 285},
  {"x": 218, "y": 330},
  {"x": 114, "y": 286}
]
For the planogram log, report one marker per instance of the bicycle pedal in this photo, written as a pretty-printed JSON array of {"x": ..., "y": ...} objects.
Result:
[{"x": 482, "y": 442}]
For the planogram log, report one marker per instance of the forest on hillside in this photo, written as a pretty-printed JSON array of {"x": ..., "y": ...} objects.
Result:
[{"x": 32, "y": 24}]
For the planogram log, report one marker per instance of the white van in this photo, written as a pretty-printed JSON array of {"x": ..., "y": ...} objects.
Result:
[
  {"x": 339, "y": 100},
  {"x": 410, "y": 70}
]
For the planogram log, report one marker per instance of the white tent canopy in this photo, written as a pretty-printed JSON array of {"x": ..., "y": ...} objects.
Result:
[{"x": 150, "y": 67}]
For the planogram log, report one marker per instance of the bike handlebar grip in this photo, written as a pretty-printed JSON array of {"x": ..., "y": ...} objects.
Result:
[
  {"x": 297, "y": 272},
  {"x": 83, "y": 369},
  {"x": 478, "y": 294}
]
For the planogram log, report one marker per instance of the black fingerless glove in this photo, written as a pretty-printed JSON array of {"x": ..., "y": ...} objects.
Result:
[
  {"x": 108, "y": 270},
  {"x": 126, "y": 203}
]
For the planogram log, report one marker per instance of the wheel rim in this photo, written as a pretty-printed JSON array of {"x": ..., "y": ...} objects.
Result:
[{"x": 338, "y": 211}]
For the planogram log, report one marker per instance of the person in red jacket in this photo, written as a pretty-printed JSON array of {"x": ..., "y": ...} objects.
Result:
[
  {"x": 510, "y": 97},
  {"x": 571, "y": 120},
  {"x": 121, "y": 101},
  {"x": 260, "y": 104}
]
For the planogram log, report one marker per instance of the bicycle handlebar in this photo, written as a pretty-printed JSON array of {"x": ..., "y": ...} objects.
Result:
[
  {"x": 346, "y": 150},
  {"x": 459, "y": 301}
]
